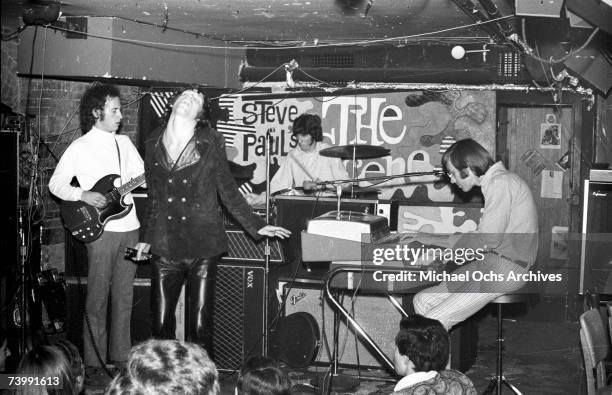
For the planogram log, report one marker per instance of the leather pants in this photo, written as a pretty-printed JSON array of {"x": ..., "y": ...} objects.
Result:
[{"x": 167, "y": 279}]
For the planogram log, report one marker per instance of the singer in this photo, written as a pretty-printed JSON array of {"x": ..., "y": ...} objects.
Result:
[{"x": 187, "y": 174}]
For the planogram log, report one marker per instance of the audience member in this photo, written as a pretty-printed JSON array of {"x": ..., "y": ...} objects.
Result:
[
  {"x": 262, "y": 376},
  {"x": 50, "y": 363},
  {"x": 421, "y": 354},
  {"x": 167, "y": 367},
  {"x": 77, "y": 368}
]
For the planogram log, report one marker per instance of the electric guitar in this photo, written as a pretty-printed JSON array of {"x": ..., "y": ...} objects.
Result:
[{"x": 85, "y": 222}]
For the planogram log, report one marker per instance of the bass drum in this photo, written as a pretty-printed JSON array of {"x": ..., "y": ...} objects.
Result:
[{"x": 296, "y": 340}]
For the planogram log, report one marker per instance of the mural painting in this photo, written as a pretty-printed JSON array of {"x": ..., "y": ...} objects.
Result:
[{"x": 417, "y": 127}]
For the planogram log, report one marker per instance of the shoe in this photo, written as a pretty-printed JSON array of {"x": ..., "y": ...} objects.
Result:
[{"x": 96, "y": 377}]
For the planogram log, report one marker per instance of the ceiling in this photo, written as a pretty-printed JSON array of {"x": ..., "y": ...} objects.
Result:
[{"x": 310, "y": 21}]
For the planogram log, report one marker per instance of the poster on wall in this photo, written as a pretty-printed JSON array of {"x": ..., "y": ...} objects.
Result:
[
  {"x": 416, "y": 126},
  {"x": 550, "y": 135}
]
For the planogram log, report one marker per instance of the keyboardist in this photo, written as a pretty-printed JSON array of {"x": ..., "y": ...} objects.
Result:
[{"x": 303, "y": 166}]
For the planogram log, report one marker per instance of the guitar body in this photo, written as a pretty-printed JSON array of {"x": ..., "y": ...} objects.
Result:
[{"x": 85, "y": 222}]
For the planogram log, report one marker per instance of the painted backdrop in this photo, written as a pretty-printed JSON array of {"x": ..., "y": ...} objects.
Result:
[{"x": 417, "y": 127}]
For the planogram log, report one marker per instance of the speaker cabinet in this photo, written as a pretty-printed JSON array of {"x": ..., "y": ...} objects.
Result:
[
  {"x": 238, "y": 317},
  {"x": 375, "y": 314},
  {"x": 596, "y": 254}
]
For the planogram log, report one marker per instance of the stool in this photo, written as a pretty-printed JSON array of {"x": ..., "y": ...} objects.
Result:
[{"x": 499, "y": 380}]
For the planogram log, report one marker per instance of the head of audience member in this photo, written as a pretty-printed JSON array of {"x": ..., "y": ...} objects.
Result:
[
  {"x": 262, "y": 376},
  {"x": 77, "y": 368},
  {"x": 5, "y": 352},
  {"x": 465, "y": 162},
  {"x": 167, "y": 367},
  {"x": 191, "y": 104},
  {"x": 308, "y": 131},
  {"x": 100, "y": 107},
  {"x": 421, "y": 345},
  {"x": 48, "y": 362}
]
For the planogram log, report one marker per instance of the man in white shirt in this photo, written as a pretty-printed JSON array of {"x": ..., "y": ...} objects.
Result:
[
  {"x": 303, "y": 166},
  {"x": 98, "y": 153},
  {"x": 507, "y": 233}
]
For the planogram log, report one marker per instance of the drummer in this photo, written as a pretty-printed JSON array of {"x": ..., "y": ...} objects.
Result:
[{"x": 304, "y": 167}]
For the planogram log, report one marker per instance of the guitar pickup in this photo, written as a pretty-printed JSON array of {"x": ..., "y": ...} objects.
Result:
[{"x": 85, "y": 213}]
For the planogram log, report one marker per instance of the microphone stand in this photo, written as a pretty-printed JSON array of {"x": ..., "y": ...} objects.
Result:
[
  {"x": 268, "y": 147},
  {"x": 338, "y": 183}
]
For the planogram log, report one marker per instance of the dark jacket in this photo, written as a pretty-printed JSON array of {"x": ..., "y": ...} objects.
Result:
[{"x": 183, "y": 217}]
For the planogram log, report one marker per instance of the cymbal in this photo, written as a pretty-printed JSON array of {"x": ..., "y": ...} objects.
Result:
[{"x": 362, "y": 151}]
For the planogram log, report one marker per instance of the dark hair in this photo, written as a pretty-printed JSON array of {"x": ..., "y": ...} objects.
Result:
[
  {"x": 308, "y": 124},
  {"x": 465, "y": 154},
  {"x": 46, "y": 361},
  {"x": 94, "y": 99},
  {"x": 424, "y": 341},
  {"x": 167, "y": 367},
  {"x": 203, "y": 116},
  {"x": 262, "y": 376}
]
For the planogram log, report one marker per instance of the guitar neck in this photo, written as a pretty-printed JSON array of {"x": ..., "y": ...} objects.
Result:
[{"x": 131, "y": 185}]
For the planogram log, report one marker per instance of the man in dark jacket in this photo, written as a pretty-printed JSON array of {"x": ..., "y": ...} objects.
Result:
[{"x": 187, "y": 172}]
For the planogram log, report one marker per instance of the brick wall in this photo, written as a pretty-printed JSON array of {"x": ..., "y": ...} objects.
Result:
[
  {"x": 10, "y": 85},
  {"x": 54, "y": 103}
]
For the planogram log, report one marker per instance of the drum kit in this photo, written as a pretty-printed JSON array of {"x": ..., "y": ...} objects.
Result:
[{"x": 346, "y": 152}]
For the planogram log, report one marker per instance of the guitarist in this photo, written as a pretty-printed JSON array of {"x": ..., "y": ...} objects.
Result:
[{"x": 100, "y": 152}]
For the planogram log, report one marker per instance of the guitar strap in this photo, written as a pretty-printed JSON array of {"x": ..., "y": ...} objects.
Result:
[{"x": 119, "y": 159}]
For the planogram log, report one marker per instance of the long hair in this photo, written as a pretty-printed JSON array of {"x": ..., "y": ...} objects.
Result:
[
  {"x": 308, "y": 124},
  {"x": 424, "y": 341},
  {"x": 262, "y": 376},
  {"x": 94, "y": 99},
  {"x": 203, "y": 116},
  {"x": 466, "y": 154},
  {"x": 46, "y": 361},
  {"x": 77, "y": 368}
]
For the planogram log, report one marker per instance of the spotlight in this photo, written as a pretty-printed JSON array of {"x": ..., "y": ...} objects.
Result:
[{"x": 458, "y": 52}]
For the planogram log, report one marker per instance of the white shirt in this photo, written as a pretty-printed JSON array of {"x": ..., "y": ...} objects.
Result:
[
  {"x": 414, "y": 378},
  {"x": 91, "y": 157},
  {"x": 300, "y": 166}
]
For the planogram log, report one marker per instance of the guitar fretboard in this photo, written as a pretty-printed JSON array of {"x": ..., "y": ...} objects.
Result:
[{"x": 127, "y": 187}]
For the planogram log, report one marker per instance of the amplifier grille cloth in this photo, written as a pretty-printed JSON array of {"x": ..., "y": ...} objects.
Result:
[
  {"x": 228, "y": 316},
  {"x": 242, "y": 247}
]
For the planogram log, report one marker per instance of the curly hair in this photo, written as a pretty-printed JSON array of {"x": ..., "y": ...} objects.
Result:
[
  {"x": 167, "y": 367},
  {"x": 93, "y": 99},
  {"x": 424, "y": 341},
  {"x": 465, "y": 154},
  {"x": 262, "y": 376},
  {"x": 308, "y": 124}
]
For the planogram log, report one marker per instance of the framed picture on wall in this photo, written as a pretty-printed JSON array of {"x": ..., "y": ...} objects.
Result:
[{"x": 550, "y": 136}]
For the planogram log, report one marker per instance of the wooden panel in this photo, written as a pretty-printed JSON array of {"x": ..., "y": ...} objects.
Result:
[{"x": 523, "y": 133}]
